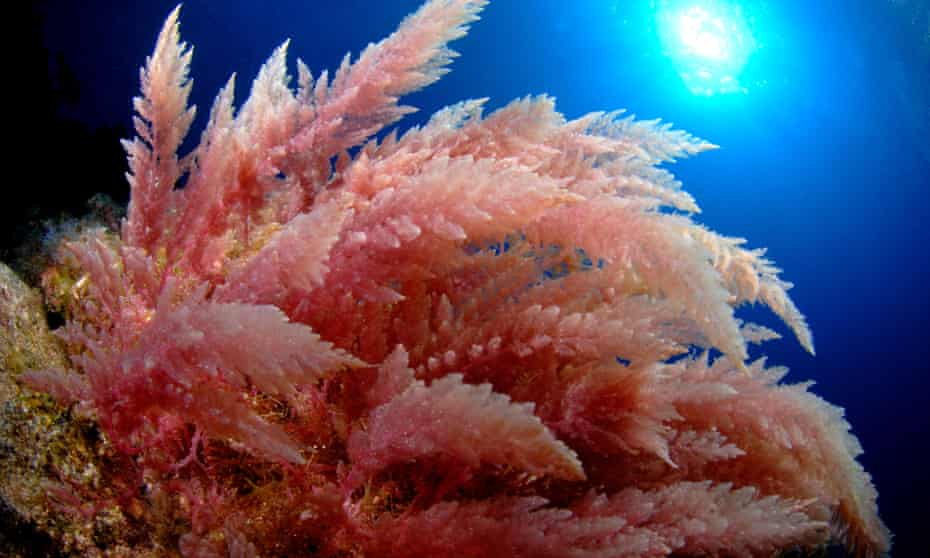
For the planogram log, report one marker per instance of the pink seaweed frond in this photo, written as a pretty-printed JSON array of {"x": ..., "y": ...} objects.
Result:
[{"x": 485, "y": 336}]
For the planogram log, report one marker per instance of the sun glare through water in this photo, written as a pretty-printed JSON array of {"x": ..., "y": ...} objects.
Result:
[{"x": 709, "y": 43}]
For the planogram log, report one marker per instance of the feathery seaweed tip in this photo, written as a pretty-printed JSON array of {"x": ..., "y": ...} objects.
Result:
[
  {"x": 476, "y": 337},
  {"x": 162, "y": 121}
]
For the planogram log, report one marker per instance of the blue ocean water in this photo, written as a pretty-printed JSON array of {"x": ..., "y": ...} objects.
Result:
[{"x": 824, "y": 159}]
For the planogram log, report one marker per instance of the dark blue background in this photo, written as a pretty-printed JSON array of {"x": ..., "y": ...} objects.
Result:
[{"x": 826, "y": 160}]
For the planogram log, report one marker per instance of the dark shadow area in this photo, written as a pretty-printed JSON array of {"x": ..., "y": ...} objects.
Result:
[
  {"x": 18, "y": 538},
  {"x": 57, "y": 163}
]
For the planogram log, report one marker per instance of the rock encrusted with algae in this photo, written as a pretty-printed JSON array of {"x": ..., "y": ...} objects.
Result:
[{"x": 41, "y": 443}]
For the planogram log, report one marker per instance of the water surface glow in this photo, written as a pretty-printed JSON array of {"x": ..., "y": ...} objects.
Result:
[{"x": 709, "y": 43}]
